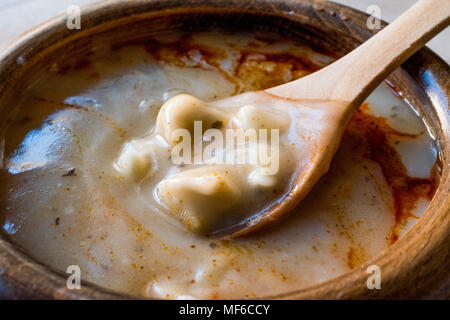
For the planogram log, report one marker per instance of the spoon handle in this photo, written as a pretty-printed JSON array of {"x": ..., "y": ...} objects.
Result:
[{"x": 353, "y": 77}]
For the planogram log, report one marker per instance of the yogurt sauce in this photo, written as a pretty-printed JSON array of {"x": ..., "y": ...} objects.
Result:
[{"x": 66, "y": 203}]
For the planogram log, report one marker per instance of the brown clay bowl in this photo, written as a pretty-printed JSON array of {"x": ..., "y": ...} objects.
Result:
[{"x": 416, "y": 266}]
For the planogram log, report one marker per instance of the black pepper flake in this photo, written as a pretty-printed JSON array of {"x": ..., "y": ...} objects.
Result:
[
  {"x": 70, "y": 173},
  {"x": 217, "y": 124},
  {"x": 212, "y": 245},
  {"x": 57, "y": 221},
  {"x": 25, "y": 120}
]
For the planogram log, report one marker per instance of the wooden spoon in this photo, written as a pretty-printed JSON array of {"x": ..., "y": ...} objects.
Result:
[{"x": 339, "y": 89}]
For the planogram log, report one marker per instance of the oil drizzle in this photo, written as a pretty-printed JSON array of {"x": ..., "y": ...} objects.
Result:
[{"x": 406, "y": 190}]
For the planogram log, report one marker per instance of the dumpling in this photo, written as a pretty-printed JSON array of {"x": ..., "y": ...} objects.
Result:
[
  {"x": 181, "y": 111},
  {"x": 251, "y": 117},
  {"x": 199, "y": 198}
]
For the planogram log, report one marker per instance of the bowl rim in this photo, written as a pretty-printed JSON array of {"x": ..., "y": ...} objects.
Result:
[{"x": 351, "y": 284}]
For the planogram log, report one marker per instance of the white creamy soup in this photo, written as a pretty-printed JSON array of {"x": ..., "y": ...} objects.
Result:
[{"x": 88, "y": 177}]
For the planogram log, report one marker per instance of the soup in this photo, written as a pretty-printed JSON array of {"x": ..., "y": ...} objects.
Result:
[{"x": 71, "y": 197}]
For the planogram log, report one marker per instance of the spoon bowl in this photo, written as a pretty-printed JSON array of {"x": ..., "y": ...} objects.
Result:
[{"x": 337, "y": 91}]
